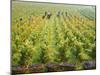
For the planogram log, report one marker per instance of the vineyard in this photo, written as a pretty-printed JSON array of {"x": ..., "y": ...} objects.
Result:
[{"x": 63, "y": 43}]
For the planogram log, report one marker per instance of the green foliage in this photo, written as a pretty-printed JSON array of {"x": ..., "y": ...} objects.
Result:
[{"x": 56, "y": 40}]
